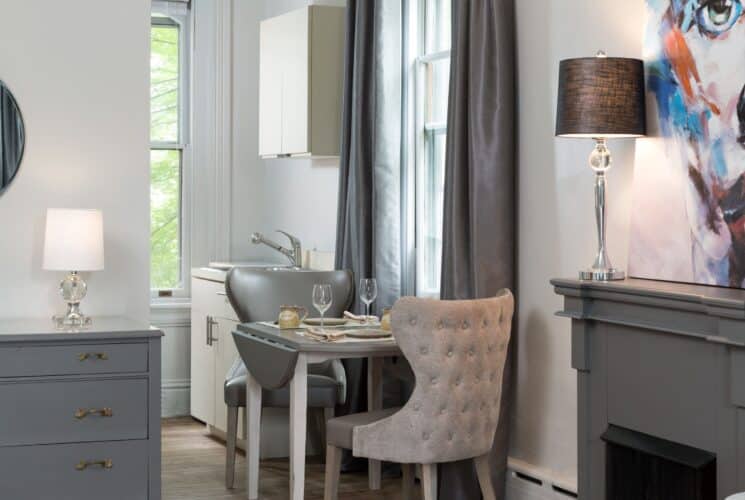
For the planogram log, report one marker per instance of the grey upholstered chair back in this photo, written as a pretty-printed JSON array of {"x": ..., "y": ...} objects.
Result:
[
  {"x": 457, "y": 350},
  {"x": 257, "y": 294}
]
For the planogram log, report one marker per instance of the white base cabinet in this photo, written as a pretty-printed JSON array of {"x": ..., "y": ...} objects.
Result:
[{"x": 213, "y": 352}]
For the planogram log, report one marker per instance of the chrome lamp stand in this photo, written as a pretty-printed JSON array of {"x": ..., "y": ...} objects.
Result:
[{"x": 602, "y": 269}]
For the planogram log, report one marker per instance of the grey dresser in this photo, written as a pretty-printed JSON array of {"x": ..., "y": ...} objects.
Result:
[{"x": 79, "y": 411}]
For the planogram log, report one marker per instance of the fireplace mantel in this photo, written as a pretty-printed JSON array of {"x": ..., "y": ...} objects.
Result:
[{"x": 663, "y": 359}]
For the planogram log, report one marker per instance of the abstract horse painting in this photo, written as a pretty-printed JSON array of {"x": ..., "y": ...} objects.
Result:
[{"x": 688, "y": 216}]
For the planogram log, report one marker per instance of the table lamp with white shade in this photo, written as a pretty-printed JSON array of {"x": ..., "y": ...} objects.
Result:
[{"x": 73, "y": 242}]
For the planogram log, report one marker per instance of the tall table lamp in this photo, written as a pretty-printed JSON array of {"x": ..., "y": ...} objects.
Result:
[
  {"x": 73, "y": 242},
  {"x": 601, "y": 98}
]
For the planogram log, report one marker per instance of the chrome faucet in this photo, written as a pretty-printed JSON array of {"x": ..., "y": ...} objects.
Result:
[{"x": 295, "y": 256}]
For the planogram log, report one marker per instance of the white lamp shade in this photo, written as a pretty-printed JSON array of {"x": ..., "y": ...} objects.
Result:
[{"x": 73, "y": 240}]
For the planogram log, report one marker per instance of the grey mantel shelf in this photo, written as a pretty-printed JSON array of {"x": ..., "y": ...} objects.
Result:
[{"x": 711, "y": 313}]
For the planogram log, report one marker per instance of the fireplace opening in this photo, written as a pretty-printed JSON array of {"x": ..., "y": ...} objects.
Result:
[{"x": 643, "y": 467}]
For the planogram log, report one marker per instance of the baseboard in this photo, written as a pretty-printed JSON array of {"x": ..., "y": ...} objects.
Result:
[
  {"x": 527, "y": 482},
  {"x": 175, "y": 398}
]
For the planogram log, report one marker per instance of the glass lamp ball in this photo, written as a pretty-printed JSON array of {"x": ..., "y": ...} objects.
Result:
[
  {"x": 600, "y": 158},
  {"x": 73, "y": 288}
]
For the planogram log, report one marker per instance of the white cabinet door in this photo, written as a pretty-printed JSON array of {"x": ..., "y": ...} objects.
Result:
[
  {"x": 225, "y": 356},
  {"x": 295, "y": 81},
  {"x": 270, "y": 87},
  {"x": 202, "y": 354}
]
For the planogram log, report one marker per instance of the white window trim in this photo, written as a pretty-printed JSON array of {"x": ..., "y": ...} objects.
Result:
[
  {"x": 418, "y": 130},
  {"x": 180, "y": 14}
]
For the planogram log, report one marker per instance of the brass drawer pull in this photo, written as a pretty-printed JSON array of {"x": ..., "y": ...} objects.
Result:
[
  {"x": 104, "y": 464},
  {"x": 102, "y": 356},
  {"x": 81, "y": 413}
]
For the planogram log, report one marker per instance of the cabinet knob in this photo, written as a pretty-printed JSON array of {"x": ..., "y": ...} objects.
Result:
[
  {"x": 104, "y": 464},
  {"x": 81, "y": 413}
]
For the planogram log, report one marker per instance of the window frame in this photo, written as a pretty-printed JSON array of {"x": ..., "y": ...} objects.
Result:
[
  {"x": 165, "y": 13},
  {"x": 421, "y": 132}
]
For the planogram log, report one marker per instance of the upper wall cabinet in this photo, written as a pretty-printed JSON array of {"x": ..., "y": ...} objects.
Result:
[{"x": 300, "y": 83}]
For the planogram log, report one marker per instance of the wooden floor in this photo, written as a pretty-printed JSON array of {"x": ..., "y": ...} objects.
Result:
[{"x": 194, "y": 469}]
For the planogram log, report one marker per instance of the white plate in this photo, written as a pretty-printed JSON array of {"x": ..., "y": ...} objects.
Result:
[
  {"x": 368, "y": 334},
  {"x": 326, "y": 321}
]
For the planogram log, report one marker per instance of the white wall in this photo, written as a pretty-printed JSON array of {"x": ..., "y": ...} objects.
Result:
[
  {"x": 556, "y": 219},
  {"x": 81, "y": 81},
  {"x": 296, "y": 195}
]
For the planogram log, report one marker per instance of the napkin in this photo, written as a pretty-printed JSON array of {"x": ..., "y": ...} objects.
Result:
[
  {"x": 325, "y": 335},
  {"x": 360, "y": 317}
]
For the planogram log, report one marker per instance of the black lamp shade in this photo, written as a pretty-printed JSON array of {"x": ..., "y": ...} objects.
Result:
[{"x": 601, "y": 97}]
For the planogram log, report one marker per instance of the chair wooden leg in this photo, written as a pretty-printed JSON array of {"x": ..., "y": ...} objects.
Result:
[
  {"x": 429, "y": 481},
  {"x": 324, "y": 415},
  {"x": 333, "y": 470},
  {"x": 408, "y": 481},
  {"x": 232, "y": 436},
  {"x": 483, "y": 470}
]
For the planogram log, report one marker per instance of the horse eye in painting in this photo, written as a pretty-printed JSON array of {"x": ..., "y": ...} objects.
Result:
[{"x": 718, "y": 16}]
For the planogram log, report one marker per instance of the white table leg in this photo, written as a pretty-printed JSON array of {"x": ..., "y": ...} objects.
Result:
[
  {"x": 253, "y": 433},
  {"x": 374, "y": 402},
  {"x": 298, "y": 424}
]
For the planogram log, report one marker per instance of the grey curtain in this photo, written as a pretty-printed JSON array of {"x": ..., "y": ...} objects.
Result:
[
  {"x": 479, "y": 230},
  {"x": 369, "y": 220},
  {"x": 11, "y": 137}
]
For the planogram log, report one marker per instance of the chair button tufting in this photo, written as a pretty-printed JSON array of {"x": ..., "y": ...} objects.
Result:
[
  {"x": 450, "y": 436},
  {"x": 450, "y": 354},
  {"x": 485, "y": 323},
  {"x": 471, "y": 351},
  {"x": 440, "y": 325},
  {"x": 417, "y": 406},
  {"x": 425, "y": 436},
  {"x": 423, "y": 350},
  {"x": 412, "y": 321},
  {"x": 465, "y": 325},
  {"x": 433, "y": 380},
  {"x": 457, "y": 382},
  {"x": 443, "y": 410}
]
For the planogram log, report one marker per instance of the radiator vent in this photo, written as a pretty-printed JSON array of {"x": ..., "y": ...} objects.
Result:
[{"x": 527, "y": 482}]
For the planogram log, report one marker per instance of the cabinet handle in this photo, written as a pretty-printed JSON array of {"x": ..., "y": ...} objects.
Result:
[
  {"x": 104, "y": 464},
  {"x": 210, "y": 335},
  {"x": 81, "y": 413},
  {"x": 93, "y": 355}
]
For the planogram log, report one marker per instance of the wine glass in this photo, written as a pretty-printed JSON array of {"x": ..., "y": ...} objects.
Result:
[
  {"x": 322, "y": 298},
  {"x": 368, "y": 294}
]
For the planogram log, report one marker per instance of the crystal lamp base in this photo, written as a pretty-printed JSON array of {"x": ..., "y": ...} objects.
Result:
[{"x": 73, "y": 290}]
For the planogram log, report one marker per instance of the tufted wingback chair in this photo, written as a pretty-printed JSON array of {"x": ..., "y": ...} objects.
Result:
[{"x": 457, "y": 350}]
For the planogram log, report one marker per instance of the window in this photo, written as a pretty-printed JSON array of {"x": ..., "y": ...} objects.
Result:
[
  {"x": 169, "y": 249},
  {"x": 432, "y": 61}
]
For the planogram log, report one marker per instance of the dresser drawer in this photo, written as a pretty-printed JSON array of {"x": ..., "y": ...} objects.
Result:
[
  {"x": 52, "y": 412},
  {"x": 76, "y": 359},
  {"x": 52, "y": 472}
]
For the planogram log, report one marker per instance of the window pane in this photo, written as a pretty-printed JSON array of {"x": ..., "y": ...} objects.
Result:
[
  {"x": 165, "y": 219},
  {"x": 438, "y": 84},
  {"x": 437, "y": 27},
  {"x": 432, "y": 182},
  {"x": 164, "y": 83}
]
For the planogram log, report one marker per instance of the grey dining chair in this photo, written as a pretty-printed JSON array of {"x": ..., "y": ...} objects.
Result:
[
  {"x": 457, "y": 350},
  {"x": 256, "y": 295}
]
